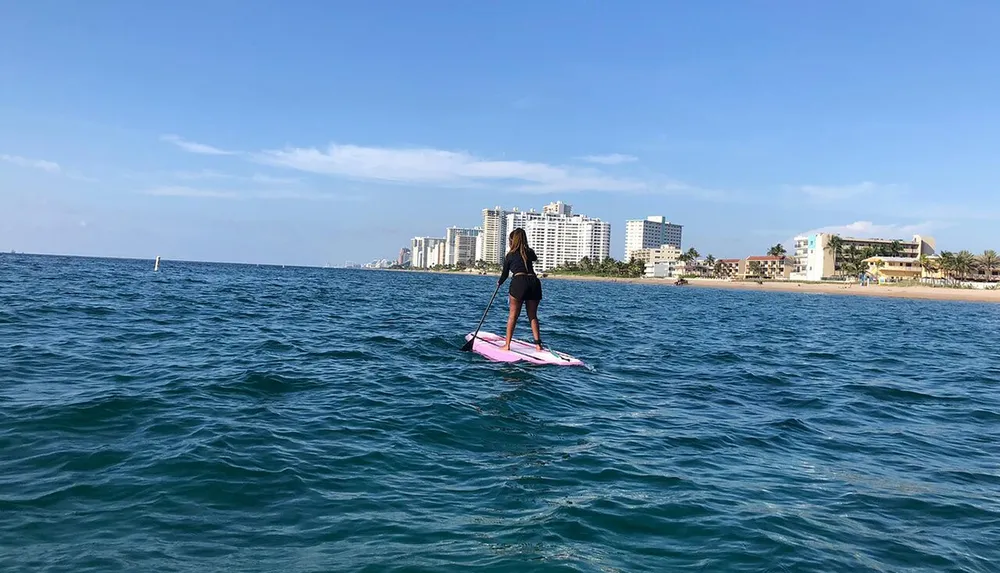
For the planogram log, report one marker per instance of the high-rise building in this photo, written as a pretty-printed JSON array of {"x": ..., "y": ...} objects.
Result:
[
  {"x": 436, "y": 255},
  {"x": 460, "y": 245},
  {"x": 558, "y": 237},
  {"x": 404, "y": 257},
  {"x": 557, "y": 208},
  {"x": 479, "y": 246},
  {"x": 423, "y": 252},
  {"x": 650, "y": 233},
  {"x": 494, "y": 232}
]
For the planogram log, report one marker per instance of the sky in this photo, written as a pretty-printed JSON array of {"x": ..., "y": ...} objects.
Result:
[{"x": 318, "y": 132}]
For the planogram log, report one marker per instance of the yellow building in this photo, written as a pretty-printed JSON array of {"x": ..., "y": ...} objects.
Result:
[
  {"x": 663, "y": 254},
  {"x": 895, "y": 268}
]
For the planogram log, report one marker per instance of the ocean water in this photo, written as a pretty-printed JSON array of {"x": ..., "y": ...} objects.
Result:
[{"x": 244, "y": 418}]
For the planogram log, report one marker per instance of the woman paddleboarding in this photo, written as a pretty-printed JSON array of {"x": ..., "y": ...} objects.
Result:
[{"x": 525, "y": 288}]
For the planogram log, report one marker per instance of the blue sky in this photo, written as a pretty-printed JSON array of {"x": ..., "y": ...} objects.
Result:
[{"x": 312, "y": 132}]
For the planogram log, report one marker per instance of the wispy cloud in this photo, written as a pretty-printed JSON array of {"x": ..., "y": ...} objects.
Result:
[
  {"x": 202, "y": 175},
  {"x": 193, "y": 147},
  {"x": 610, "y": 159},
  {"x": 182, "y": 191},
  {"x": 268, "y": 179},
  {"x": 263, "y": 194},
  {"x": 50, "y": 166},
  {"x": 844, "y": 192},
  {"x": 436, "y": 166},
  {"x": 209, "y": 174}
]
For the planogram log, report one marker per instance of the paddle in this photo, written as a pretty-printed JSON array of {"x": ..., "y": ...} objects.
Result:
[{"x": 468, "y": 345}]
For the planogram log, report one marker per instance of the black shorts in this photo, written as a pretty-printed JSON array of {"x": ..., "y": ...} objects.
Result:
[{"x": 525, "y": 287}]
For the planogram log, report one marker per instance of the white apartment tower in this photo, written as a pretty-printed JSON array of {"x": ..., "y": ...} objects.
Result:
[
  {"x": 460, "y": 245},
  {"x": 494, "y": 233},
  {"x": 650, "y": 233},
  {"x": 559, "y": 237},
  {"x": 426, "y": 251}
]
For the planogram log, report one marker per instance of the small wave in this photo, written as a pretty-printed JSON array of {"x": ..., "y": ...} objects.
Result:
[
  {"x": 260, "y": 384},
  {"x": 894, "y": 394}
]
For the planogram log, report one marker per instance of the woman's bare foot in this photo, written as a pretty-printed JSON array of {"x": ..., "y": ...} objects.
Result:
[{"x": 505, "y": 348}]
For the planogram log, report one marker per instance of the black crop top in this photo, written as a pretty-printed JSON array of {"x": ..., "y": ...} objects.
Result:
[{"x": 514, "y": 264}]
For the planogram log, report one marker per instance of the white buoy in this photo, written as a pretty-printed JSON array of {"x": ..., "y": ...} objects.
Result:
[{"x": 156, "y": 266}]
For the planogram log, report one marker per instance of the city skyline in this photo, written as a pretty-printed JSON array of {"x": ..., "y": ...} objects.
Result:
[{"x": 319, "y": 133}]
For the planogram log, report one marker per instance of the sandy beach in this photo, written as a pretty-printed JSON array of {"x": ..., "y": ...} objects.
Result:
[
  {"x": 909, "y": 292},
  {"x": 887, "y": 291}
]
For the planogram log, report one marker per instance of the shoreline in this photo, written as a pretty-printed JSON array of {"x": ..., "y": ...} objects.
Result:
[{"x": 911, "y": 292}]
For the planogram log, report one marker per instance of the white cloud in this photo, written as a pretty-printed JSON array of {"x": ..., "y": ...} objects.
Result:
[
  {"x": 259, "y": 178},
  {"x": 843, "y": 192},
  {"x": 265, "y": 194},
  {"x": 50, "y": 166},
  {"x": 181, "y": 191},
  {"x": 193, "y": 147},
  {"x": 217, "y": 175},
  {"x": 610, "y": 159},
  {"x": 441, "y": 167},
  {"x": 203, "y": 174},
  {"x": 868, "y": 229}
]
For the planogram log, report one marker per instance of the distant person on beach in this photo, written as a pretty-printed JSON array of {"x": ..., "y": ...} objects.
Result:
[{"x": 525, "y": 288}]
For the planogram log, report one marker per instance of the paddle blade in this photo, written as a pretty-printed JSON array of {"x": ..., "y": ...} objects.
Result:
[{"x": 468, "y": 345}]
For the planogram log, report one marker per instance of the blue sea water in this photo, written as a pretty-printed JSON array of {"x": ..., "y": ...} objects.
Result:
[{"x": 241, "y": 418}]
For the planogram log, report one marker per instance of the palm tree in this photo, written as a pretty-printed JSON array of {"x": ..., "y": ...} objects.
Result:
[
  {"x": 836, "y": 247},
  {"x": 965, "y": 262},
  {"x": 754, "y": 268},
  {"x": 718, "y": 268},
  {"x": 710, "y": 264},
  {"x": 989, "y": 261},
  {"x": 878, "y": 264},
  {"x": 895, "y": 249},
  {"x": 948, "y": 264},
  {"x": 777, "y": 251},
  {"x": 928, "y": 264}
]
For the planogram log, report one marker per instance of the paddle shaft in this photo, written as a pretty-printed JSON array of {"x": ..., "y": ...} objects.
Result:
[{"x": 468, "y": 346}]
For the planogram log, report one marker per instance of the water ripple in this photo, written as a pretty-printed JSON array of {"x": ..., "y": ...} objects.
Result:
[{"x": 226, "y": 417}]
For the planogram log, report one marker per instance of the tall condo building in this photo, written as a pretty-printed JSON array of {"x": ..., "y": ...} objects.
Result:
[
  {"x": 460, "y": 245},
  {"x": 425, "y": 252},
  {"x": 650, "y": 233},
  {"x": 494, "y": 232},
  {"x": 404, "y": 257},
  {"x": 559, "y": 237}
]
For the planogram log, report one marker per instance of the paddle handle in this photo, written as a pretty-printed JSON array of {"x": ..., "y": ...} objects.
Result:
[{"x": 485, "y": 312}]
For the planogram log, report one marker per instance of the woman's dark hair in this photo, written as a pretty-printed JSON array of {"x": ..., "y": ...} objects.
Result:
[{"x": 519, "y": 243}]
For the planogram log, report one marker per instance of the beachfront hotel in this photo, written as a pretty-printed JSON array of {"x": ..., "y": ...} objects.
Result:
[
  {"x": 768, "y": 267},
  {"x": 730, "y": 268},
  {"x": 650, "y": 233},
  {"x": 814, "y": 258},
  {"x": 559, "y": 237}
]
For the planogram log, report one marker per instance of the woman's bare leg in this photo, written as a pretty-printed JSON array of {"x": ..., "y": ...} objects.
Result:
[
  {"x": 532, "y": 308},
  {"x": 515, "y": 310}
]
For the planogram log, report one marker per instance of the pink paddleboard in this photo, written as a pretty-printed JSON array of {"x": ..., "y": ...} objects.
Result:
[{"x": 491, "y": 346}]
